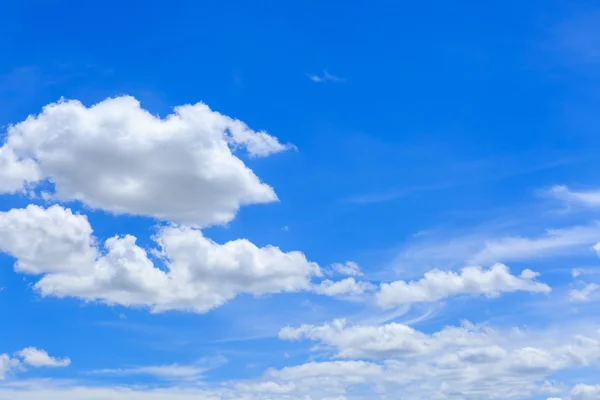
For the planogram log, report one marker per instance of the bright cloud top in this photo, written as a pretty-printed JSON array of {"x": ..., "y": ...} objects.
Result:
[
  {"x": 118, "y": 157},
  {"x": 437, "y": 285}
]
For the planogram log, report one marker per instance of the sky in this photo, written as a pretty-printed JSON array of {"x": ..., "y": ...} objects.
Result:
[{"x": 333, "y": 200}]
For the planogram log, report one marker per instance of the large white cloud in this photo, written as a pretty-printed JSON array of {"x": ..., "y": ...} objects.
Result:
[
  {"x": 118, "y": 157},
  {"x": 437, "y": 285},
  {"x": 198, "y": 273}
]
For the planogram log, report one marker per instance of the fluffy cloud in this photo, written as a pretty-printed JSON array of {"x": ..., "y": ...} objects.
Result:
[
  {"x": 437, "y": 285},
  {"x": 118, "y": 157},
  {"x": 464, "y": 362},
  {"x": 199, "y": 274},
  {"x": 40, "y": 358},
  {"x": 31, "y": 357}
]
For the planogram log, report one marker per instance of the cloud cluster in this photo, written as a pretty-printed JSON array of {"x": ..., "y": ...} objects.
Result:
[
  {"x": 462, "y": 362},
  {"x": 200, "y": 274}
]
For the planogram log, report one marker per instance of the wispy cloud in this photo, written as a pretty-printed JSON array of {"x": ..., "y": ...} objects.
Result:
[
  {"x": 486, "y": 247},
  {"x": 494, "y": 171},
  {"x": 395, "y": 194},
  {"x": 325, "y": 77},
  {"x": 587, "y": 198},
  {"x": 171, "y": 372}
]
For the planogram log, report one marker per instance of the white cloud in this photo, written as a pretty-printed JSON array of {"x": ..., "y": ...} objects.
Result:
[
  {"x": 61, "y": 392},
  {"x": 349, "y": 268},
  {"x": 438, "y": 285},
  {"x": 465, "y": 362},
  {"x": 451, "y": 250},
  {"x": 172, "y": 372},
  {"x": 583, "y": 295},
  {"x": 585, "y": 392},
  {"x": 31, "y": 357},
  {"x": 117, "y": 157},
  {"x": 345, "y": 287},
  {"x": 169, "y": 372},
  {"x": 589, "y": 198},
  {"x": 15, "y": 171},
  {"x": 40, "y": 358},
  {"x": 7, "y": 365},
  {"x": 199, "y": 275},
  {"x": 553, "y": 242}
]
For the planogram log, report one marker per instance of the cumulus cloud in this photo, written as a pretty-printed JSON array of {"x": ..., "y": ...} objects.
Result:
[
  {"x": 457, "y": 362},
  {"x": 40, "y": 358},
  {"x": 198, "y": 275},
  {"x": 31, "y": 357},
  {"x": 438, "y": 285},
  {"x": 118, "y": 157}
]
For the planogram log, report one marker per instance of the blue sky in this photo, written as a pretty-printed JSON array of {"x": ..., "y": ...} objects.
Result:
[{"x": 299, "y": 200}]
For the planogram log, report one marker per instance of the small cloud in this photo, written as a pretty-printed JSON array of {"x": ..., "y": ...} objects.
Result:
[
  {"x": 40, "y": 358},
  {"x": 325, "y": 77},
  {"x": 583, "y": 295},
  {"x": 349, "y": 268}
]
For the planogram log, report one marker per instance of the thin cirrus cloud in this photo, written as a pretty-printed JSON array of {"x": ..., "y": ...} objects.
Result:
[
  {"x": 449, "y": 249},
  {"x": 170, "y": 372},
  {"x": 324, "y": 77},
  {"x": 587, "y": 198}
]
